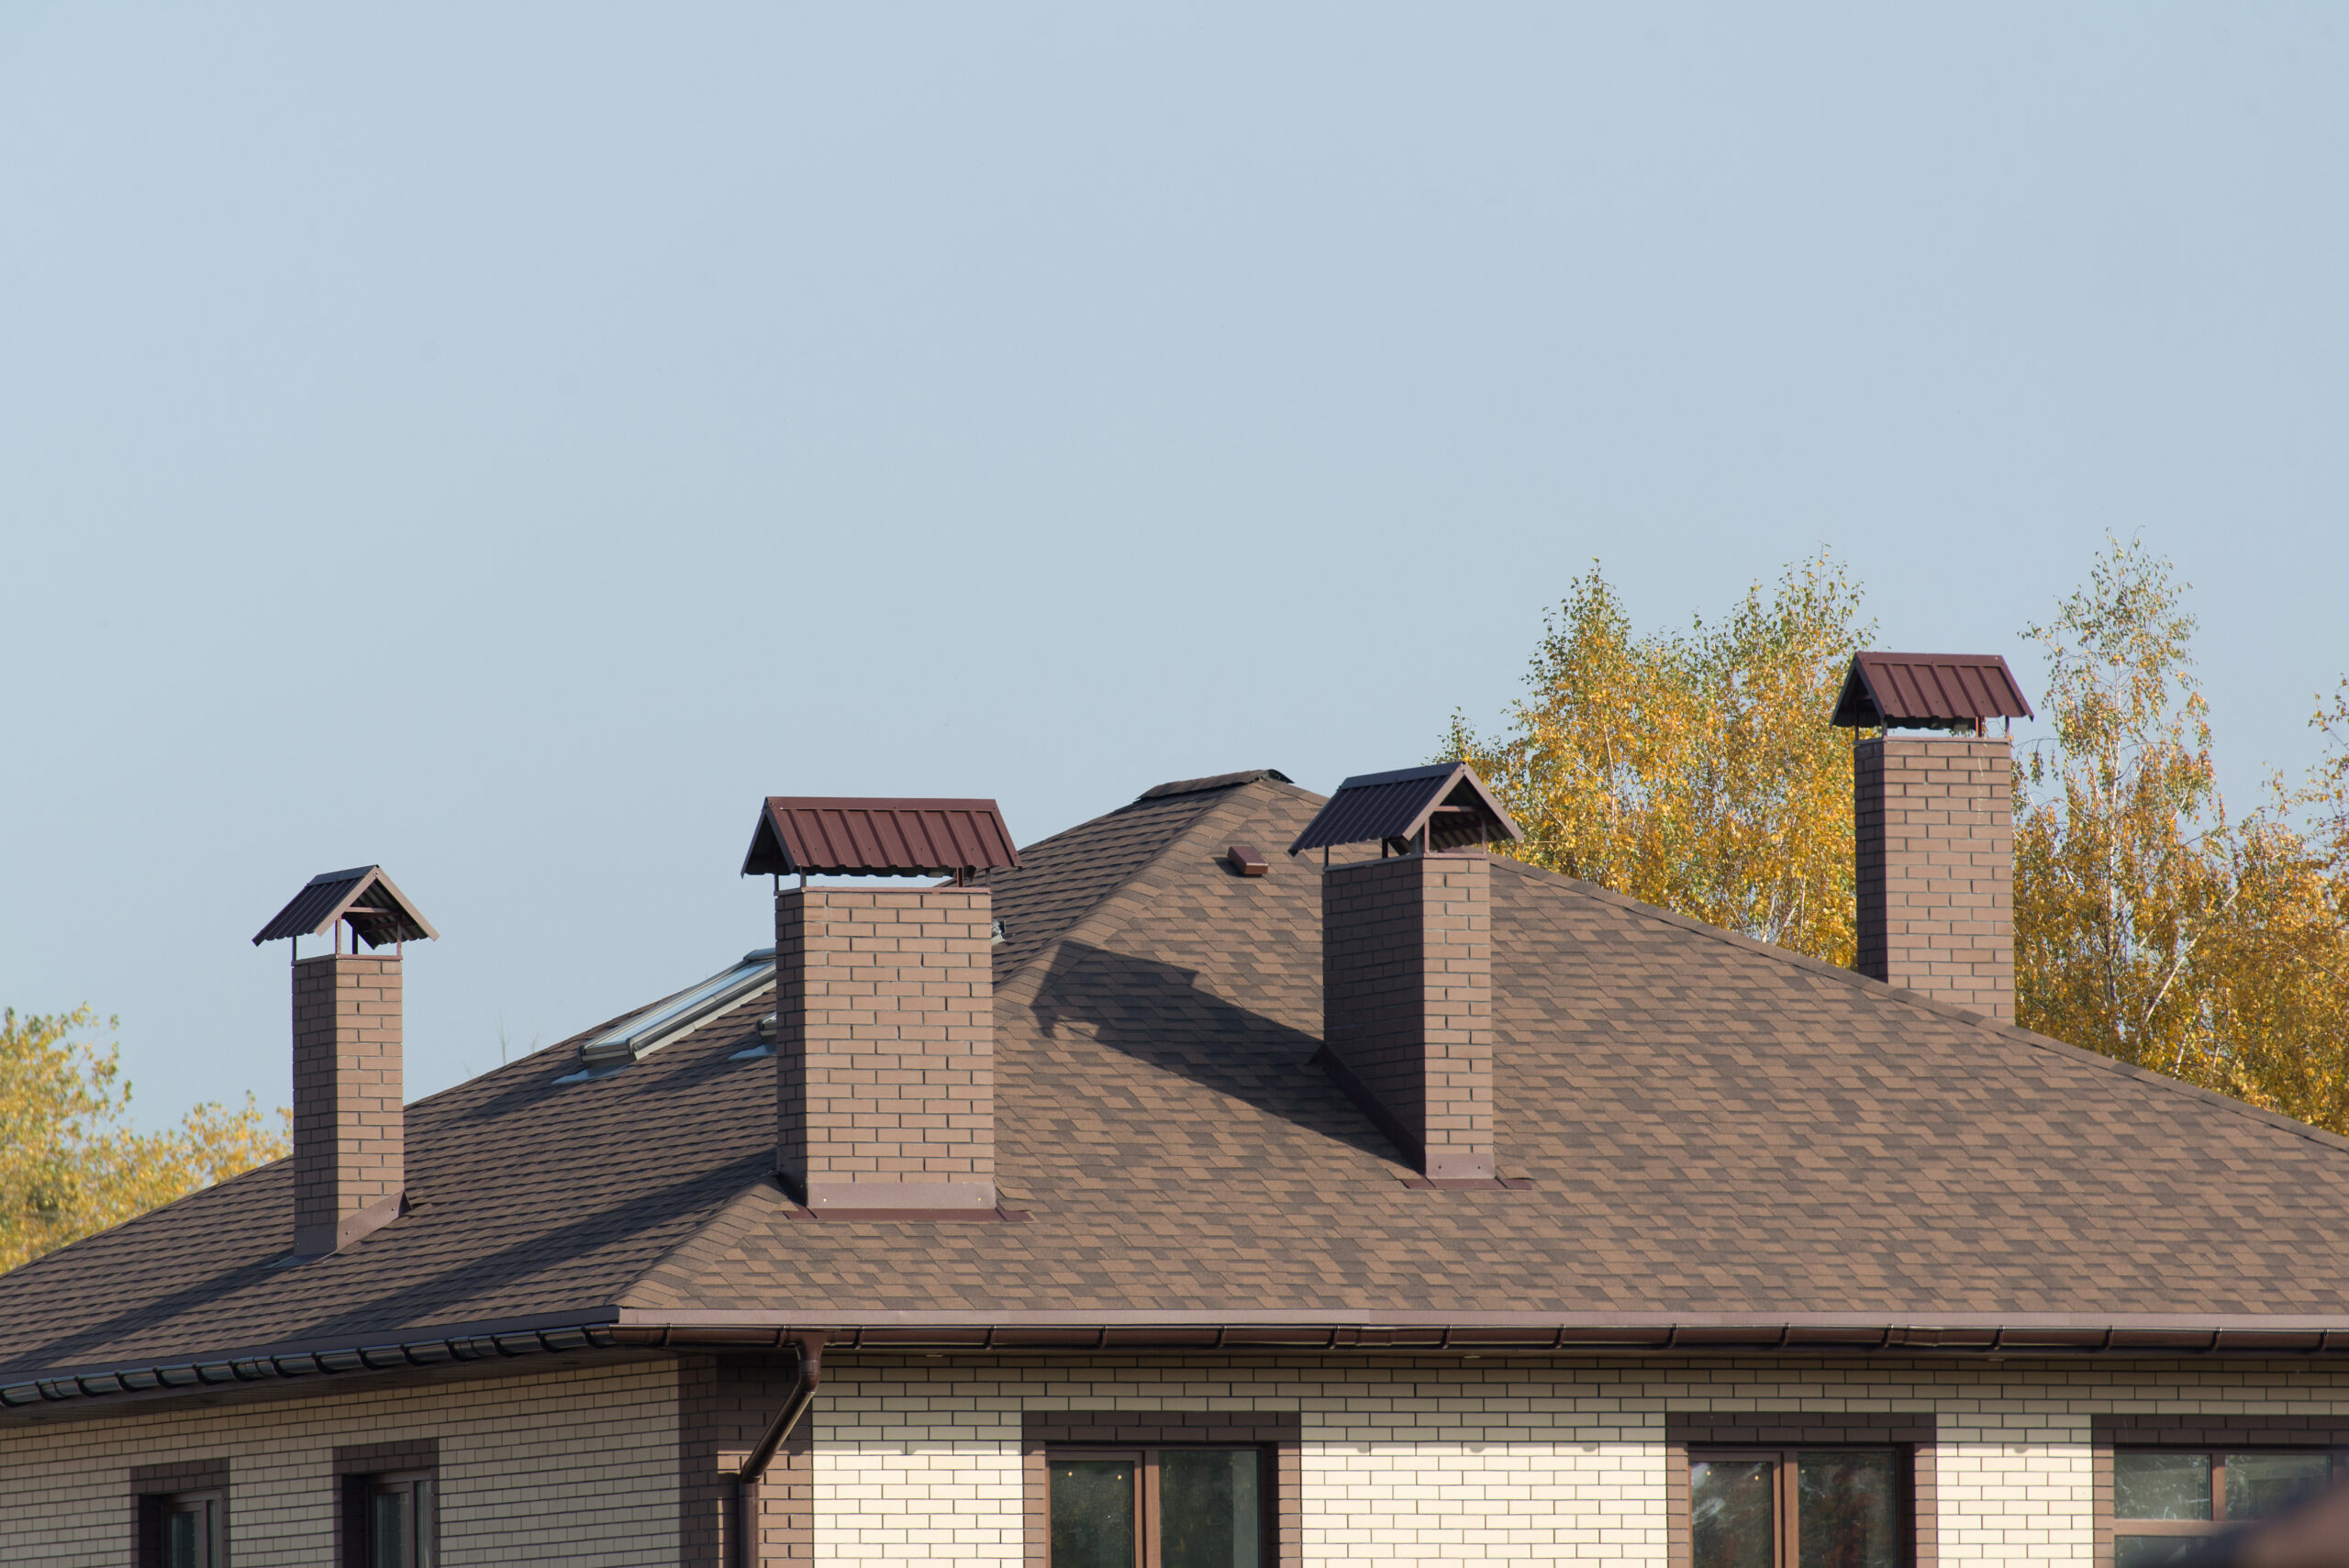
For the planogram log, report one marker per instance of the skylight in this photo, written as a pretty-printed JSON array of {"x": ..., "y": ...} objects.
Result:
[{"x": 647, "y": 1031}]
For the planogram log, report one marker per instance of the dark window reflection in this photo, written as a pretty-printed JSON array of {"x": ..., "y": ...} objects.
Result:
[
  {"x": 1092, "y": 1513},
  {"x": 1207, "y": 1513},
  {"x": 1847, "y": 1513},
  {"x": 1731, "y": 1518}
]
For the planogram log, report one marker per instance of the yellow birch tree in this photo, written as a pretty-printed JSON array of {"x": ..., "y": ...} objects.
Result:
[{"x": 69, "y": 1166}]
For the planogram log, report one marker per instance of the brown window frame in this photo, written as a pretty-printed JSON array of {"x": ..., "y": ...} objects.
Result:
[
  {"x": 1786, "y": 1502},
  {"x": 2195, "y": 1431},
  {"x": 1146, "y": 1483},
  {"x": 2219, "y": 1519},
  {"x": 157, "y": 1491},
  {"x": 213, "y": 1552},
  {"x": 358, "y": 1471},
  {"x": 1278, "y": 1435},
  {"x": 424, "y": 1512}
]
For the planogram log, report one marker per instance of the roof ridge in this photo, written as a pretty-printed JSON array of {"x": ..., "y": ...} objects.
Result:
[
  {"x": 1091, "y": 922},
  {"x": 1883, "y": 991},
  {"x": 1210, "y": 801}
]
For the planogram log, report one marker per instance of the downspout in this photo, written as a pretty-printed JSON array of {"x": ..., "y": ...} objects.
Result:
[{"x": 803, "y": 1395}]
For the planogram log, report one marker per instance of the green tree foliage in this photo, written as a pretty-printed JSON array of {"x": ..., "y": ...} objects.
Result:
[
  {"x": 69, "y": 1166},
  {"x": 1693, "y": 770}
]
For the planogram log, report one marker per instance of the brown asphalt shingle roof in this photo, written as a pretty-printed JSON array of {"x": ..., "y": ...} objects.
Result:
[{"x": 1710, "y": 1127}]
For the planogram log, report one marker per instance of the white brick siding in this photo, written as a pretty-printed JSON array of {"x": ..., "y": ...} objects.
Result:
[
  {"x": 1500, "y": 1459},
  {"x": 918, "y": 1461}
]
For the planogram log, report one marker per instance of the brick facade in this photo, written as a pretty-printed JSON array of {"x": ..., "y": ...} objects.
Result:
[
  {"x": 914, "y": 1460},
  {"x": 1936, "y": 868},
  {"x": 1407, "y": 967},
  {"x": 348, "y": 1129},
  {"x": 884, "y": 1048},
  {"x": 576, "y": 1466}
]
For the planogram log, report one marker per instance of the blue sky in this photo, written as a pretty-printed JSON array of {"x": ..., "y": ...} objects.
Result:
[{"x": 506, "y": 442}]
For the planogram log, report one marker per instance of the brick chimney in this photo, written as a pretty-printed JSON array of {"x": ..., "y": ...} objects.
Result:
[
  {"x": 1407, "y": 962},
  {"x": 350, "y": 1145},
  {"x": 1407, "y": 1000},
  {"x": 1933, "y": 824},
  {"x": 349, "y": 1132},
  {"x": 884, "y": 1004},
  {"x": 1932, "y": 818},
  {"x": 884, "y": 1048}
]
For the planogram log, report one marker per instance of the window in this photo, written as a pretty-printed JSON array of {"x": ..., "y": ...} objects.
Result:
[
  {"x": 1159, "y": 1507},
  {"x": 401, "y": 1528},
  {"x": 1799, "y": 1507},
  {"x": 195, "y": 1530},
  {"x": 2163, "y": 1500}
]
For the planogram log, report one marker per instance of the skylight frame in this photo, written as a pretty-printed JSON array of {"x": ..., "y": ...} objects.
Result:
[{"x": 642, "y": 1033}]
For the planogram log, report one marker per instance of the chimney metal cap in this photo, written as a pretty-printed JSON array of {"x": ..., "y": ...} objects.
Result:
[
  {"x": 807, "y": 835},
  {"x": 1928, "y": 691},
  {"x": 1446, "y": 798},
  {"x": 379, "y": 912}
]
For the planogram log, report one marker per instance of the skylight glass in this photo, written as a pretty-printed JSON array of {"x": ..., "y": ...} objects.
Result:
[{"x": 649, "y": 1030}]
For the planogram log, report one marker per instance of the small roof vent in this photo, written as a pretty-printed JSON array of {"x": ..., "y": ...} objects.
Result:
[
  {"x": 378, "y": 913},
  {"x": 801, "y": 835},
  {"x": 1928, "y": 691},
  {"x": 1444, "y": 801},
  {"x": 1247, "y": 860}
]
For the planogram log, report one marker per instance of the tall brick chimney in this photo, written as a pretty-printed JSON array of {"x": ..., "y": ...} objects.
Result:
[
  {"x": 349, "y": 1142},
  {"x": 1932, "y": 825},
  {"x": 1407, "y": 1003},
  {"x": 350, "y": 1145},
  {"x": 884, "y": 1004},
  {"x": 1407, "y": 962},
  {"x": 884, "y": 1048}
]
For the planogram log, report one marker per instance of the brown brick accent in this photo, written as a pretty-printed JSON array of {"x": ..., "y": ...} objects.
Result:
[
  {"x": 1913, "y": 1432},
  {"x": 1936, "y": 868},
  {"x": 884, "y": 1048},
  {"x": 1283, "y": 1434},
  {"x": 348, "y": 1130},
  {"x": 1407, "y": 986},
  {"x": 724, "y": 1406}
]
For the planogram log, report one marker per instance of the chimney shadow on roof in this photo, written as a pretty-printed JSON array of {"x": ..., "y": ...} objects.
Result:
[{"x": 1158, "y": 1014}]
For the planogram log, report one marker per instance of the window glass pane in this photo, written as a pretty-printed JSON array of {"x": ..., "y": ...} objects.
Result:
[
  {"x": 2152, "y": 1550},
  {"x": 2261, "y": 1486},
  {"x": 1208, "y": 1516},
  {"x": 2161, "y": 1485},
  {"x": 1845, "y": 1511},
  {"x": 182, "y": 1540},
  {"x": 1729, "y": 1513},
  {"x": 1092, "y": 1513},
  {"x": 391, "y": 1532},
  {"x": 428, "y": 1526}
]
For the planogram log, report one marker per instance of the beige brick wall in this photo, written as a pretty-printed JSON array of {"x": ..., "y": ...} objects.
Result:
[
  {"x": 918, "y": 1461},
  {"x": 884, "y": 1047},
  {"x": 571, "y": 1467}
]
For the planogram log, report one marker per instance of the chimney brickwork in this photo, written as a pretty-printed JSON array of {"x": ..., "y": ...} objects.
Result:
[
  {"x": 884, "y": 1048},
  {"x": 1933, "y": 821},
  {"x": 348, "y": 1130},
  {"x": 1406, "y": 979}
]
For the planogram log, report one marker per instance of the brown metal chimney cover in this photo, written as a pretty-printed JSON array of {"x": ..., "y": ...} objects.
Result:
[
  {"x": 1928, "y": 691},
  {"x": 806, "y": 835},
  {"x": 379, "y": 912},
  {"x": 1446, "y": 798}
]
